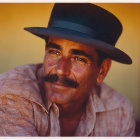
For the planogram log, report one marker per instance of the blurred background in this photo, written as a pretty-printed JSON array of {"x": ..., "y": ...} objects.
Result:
[{"x": 18, "y": 47}]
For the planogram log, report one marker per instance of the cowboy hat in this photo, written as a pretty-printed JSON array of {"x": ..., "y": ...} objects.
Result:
[{"x": 85, "y": 23}]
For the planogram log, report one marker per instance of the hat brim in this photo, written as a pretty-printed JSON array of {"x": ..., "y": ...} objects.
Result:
[{"x": 112, "y": 52}]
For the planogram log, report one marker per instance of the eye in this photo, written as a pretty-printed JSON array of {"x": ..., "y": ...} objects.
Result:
[
  {"x": 51, "y": 51},
  {"x": 80, "y": 59}
]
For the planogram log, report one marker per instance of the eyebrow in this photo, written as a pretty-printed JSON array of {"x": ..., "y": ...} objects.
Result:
[
  {"x": 53, "y": 45},
  {"x": 82, "y": 53}
]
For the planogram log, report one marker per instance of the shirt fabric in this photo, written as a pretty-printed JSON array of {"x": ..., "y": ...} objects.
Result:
[{"x": 23, "y": 112}]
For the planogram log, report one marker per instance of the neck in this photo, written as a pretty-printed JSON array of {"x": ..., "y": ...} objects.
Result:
[
  {"x": 69, "y": 117},
  {"x": 72, "y": 110}
]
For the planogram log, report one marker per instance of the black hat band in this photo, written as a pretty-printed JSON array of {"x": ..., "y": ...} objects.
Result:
[{"x": 79, "y": 28}]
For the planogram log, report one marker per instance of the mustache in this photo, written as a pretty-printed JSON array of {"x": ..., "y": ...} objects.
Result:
[{"x": 64, "y": 80}]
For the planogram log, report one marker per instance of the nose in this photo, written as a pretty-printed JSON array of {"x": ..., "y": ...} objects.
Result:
[{"x": 63, "y": 67}]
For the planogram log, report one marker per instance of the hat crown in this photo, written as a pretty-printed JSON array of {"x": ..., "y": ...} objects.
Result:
[
  {"x": 97, "y": 22},
  {"x": 85, "y": 23}
]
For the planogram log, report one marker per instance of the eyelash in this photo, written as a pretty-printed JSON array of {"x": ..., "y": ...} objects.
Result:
[
  {"x": 53, "y": 52},
  {"x": 77, "y": 58}
]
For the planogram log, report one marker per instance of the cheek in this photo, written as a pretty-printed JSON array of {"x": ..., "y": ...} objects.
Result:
[
  {"x": 49, "y": 64},
  {"x": 86, "y": 74},
  {"x": 78, "y": 70}
]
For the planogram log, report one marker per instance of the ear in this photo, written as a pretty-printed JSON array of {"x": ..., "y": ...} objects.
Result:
[{"x": 104, "y": 68}]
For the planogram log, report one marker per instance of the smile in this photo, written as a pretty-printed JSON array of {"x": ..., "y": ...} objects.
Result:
[{"x": 59, "y": 85}]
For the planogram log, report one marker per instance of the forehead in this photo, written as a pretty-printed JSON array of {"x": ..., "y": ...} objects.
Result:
[{"x": 67, "y": 44}]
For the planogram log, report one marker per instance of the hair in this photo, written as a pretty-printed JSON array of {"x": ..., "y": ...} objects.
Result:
[
  {"x": 102, "y": 56},
  {"x": 47, "y": 39}
]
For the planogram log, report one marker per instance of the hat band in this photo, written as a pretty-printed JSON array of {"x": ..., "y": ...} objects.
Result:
[
  {"x": 80, "y": 28},
  {"x": 73, "y": 26}
]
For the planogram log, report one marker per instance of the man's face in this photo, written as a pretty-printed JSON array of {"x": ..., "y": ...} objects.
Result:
[{"x": 70, "y": 69}]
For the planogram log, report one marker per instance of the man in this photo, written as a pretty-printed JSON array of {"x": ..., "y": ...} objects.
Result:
[{"x": 66, "y": 96}]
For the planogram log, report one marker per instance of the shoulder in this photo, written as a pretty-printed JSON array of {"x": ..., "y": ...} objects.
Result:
[
  {"x": 119, "y": 107},
  {"x": 113, "y": 99},
  {"x": 22, "y": 81},
  {"x": 23, "y": 117},
  {"x": 20, "y": 70},
  {"x": 26, "y": 71}
]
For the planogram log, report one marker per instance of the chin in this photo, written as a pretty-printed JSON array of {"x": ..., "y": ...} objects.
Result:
[{"x": 61, "y": 99}]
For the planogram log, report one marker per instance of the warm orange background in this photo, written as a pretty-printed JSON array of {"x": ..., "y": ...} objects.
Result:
[{"x": 18, "y": 47}]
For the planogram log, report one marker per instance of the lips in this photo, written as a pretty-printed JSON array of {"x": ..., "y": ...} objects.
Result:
[{"x": 59, "y": 85}]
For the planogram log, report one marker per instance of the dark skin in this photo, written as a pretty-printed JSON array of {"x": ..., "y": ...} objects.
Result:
[
  {"x": 78, "y": 62},
  {"x": 69, "y": 120}
]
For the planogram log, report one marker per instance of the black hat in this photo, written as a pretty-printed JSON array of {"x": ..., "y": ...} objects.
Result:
[{"x": 85, "y": 23}]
